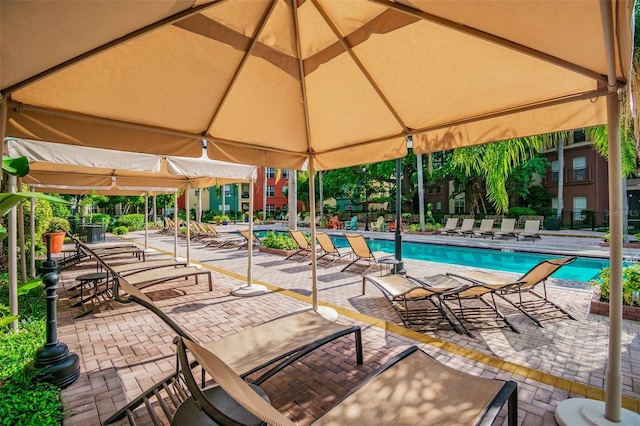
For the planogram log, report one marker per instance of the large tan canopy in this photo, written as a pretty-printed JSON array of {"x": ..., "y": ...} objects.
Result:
[{"x": 274, "y": 83}]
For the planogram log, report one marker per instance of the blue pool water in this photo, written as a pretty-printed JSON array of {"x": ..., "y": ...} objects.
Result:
[{"x": 583, "y": 269}]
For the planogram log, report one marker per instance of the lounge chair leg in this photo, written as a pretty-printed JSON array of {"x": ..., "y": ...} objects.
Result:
[
  {"x": 512, "y": 409},
  {"x": 359, "y": 355}
]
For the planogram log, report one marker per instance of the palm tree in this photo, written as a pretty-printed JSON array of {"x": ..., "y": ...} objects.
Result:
[{"x": 494, "y": 162}]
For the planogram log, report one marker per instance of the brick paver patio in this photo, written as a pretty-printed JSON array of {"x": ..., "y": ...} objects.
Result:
[{"x": 124, "y": 349}]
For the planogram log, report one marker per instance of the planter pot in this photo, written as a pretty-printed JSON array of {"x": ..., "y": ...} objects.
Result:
[
  {"x": 57, "y": 241},
  {"x": 602, "y": 308},
  {"x": 277, "y": 252}
]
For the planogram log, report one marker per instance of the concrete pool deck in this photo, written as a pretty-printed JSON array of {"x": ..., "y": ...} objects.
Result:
[{"x": 125, "y": 349}]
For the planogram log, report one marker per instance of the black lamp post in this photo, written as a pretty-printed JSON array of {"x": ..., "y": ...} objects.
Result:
[
  {"x": 53, "y": 363},
  {"x": 366, "y": 200}
]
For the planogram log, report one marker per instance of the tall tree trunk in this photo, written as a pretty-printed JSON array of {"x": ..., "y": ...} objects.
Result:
[{"x": 293, "y": 197}]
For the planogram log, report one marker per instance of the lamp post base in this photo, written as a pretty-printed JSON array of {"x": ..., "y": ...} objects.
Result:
[{"x": 53, "y": 363}]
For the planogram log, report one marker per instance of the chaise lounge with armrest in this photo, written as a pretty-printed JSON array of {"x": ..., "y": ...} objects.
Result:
[
  {"x": 412, "y": 388},
  {"x": 537, "y": 306},
  {"x": 363, "y": 254},
  {"x": 268, "y": 347}
]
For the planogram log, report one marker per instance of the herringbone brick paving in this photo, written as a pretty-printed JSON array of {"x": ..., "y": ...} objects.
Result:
[{"x": 124, "y": 349}]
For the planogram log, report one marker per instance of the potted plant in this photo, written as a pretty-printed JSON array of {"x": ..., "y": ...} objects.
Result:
[{"x": 57, "y": 228}]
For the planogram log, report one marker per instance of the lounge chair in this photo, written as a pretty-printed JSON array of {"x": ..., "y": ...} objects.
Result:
[
  {"x": 507, "y": 229},
  {"x": 411, "y": 388},
  {"x": 531, "y": 229},
  {"x": 363, "y": 253},
  {"x": 254, "y": 240},
  {"x": 131, "y": 268},
  {"x": 407, "y": 296},
  {"x": 352, "y": 224},
  {"x": 305, "y": 222},
  {"x": 147, "y": 278},
  {"x": 329, "y": 250},
  {"x": 226, "y": 240},
  {"x": 267, "y": 348},
  {"x": 472, "y": 315},
  {"x": 450, "y": 227},
  {"x": 485, "y": 230},
  {"x": 538, "y": 307},
  {"x": 304, "y": 247},
  {"x": 380, "y": 225},
  {"x": 466, "y": 228}
]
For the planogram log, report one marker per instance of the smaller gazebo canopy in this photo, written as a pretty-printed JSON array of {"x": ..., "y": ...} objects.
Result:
[{"x": 72, "y": 168}]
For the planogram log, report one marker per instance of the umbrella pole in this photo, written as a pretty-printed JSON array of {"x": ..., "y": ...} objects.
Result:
[
  {"x": 325, "y": 311},
  {"x": 584, "y": 411},
  {"x": 32, "y": 225},
  {"x": 146, "y": 221},
  {"x": 399, "y": 267},
  {"x": 250, "y": 289},
  {"x": 187, "y": 220},
  {"x": 176, "y": 226},
  {"x": 13, "y": 257}
]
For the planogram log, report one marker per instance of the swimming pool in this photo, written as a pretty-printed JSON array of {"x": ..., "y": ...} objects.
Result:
[{"x": 583, "y": 269}]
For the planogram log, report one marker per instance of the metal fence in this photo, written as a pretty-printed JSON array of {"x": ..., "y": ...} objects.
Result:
[{"x": 587, "y": 219}]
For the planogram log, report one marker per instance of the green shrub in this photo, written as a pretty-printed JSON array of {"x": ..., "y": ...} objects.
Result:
[
  {"x": 120, "y": 230},
  {"x": 98, "y": 218},
  {"x": 516, "y": 212},
  {"x": 23, "y": 402},
  {"x": 16, "y": 349},
  {"x": 414, "y": 227},
  {"x": 630, "y": 285},
  {"x": 133, "y": 222},
  {"x": 432, "y": 226},
  {"x": 58, "y": 224},
  {"x": 279, "y": 241}
]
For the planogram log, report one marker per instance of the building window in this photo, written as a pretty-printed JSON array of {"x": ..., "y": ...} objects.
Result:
[
  {"x": 439, "y": 206},
  {"x": 438, "y": 189},
  {"x": 271, "y": 173},
  {"x": 285, "y": 208},
  {"x": 348, "y": 207},
  {"x": 554, "y": 205},
  {"x": 579, "y": 204},
  {"x": 227, "y": 191},
  {"x": 285, "y": 174},
  {"x": 580, "y": 169},
  {"x": 579, "y": 136},
  {"x": 458, "y": 205},
  {"x": 271, "y": 208},
  {"x": 271, "y": 191},
  {"x": 555, "y": 170}
]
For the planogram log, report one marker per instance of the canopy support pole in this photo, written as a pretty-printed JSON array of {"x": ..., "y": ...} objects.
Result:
[
  {"x": 32, "y": 226},
  {"x": 250, "y": 289},
  {"x": 146, "y": 221},
  {"x": 187, "y": 209},
  {"x": 176, "y": 224},
  {"x": 325, "y": 311},
  {"x": 13, "y": 257},
  {"x": 584, "y": 411}
]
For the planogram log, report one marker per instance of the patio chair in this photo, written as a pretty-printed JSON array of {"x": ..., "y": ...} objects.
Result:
[
  {"x": 352, "y": 224},
  {"x": 531, "y": 229},
  {"x": 537, "y": 306},
  {"x": 507, "y": 229},
  {"x": 132, "y": 268},
  {"x": 249, "y": 237},
  {"x": 417, "y": 305},
  {"x": 466, "y": 228},
  {"x": 226, "y": 240},
  {"x": 330, "y": 250},
  {"x": 266, "y": 348},
  {"x": 450, "y": 227},
  {"x": 305, "y": 222},
  {"x": 485, "y": 230},
  {"x": 380, "y": 225},
  {"x": 363, "y": 253},
  {"x": 304, "y": 247},
  {"x": 396, "y": 393},
  {"x": 462, "y": 303},
  {"x": 335, "y": 223}
]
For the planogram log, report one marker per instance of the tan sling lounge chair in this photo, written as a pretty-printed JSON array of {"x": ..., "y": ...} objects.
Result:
[
  {"x": 304, "y": 247},
  {"x": 412, "y": 388},
  {"x": 531, "y": 229},
  {"x": 466, "y": 228},
  {"x": 450, "y": 227},
  {"x": 329, "y": 250},
  {"x": 417, "y": 305},
  {"x": 132, "y": 268},
  {"x": 485, "y": 230},
  {"x": 266, "y": 348},
  {"x": 249, "y": 237},
  {"x": 363, "y": 254},
  {"x": 534, "y": 305},
  {"x": 507, "y": 229}
]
